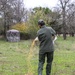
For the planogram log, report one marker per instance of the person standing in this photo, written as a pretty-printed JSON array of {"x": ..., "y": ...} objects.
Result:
[{"x": 45, "y": 35}]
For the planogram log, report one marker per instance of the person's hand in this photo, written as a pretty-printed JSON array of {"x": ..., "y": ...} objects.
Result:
[
  {"x": 54, "y": 39},
  {"x": 36, "y": 39}
]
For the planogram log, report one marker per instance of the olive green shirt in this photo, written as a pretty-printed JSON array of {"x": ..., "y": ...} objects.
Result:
[{"x": 45, "y": 37}]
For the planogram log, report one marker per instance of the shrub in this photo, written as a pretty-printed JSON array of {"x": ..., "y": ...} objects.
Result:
[
  {"x": 32, "y": 31},
  {"x": 27, "y": 31},
  {"x": 23, "y": 28}
]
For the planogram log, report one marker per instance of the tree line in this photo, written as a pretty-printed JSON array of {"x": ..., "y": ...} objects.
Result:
[
  {"x": 61, "y": 18},
  {"x": 11, "y": 12}
]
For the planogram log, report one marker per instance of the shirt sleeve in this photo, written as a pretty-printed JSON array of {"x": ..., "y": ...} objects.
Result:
[{"x": 53, "y": 31}]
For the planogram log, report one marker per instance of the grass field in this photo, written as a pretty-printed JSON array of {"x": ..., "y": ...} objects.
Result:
[{"x": 16, "y": 58}]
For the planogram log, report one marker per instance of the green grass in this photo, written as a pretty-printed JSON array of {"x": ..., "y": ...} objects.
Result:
[{"x": 13, "y": 57}]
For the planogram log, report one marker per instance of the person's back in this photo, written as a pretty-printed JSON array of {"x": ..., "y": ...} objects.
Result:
[{"x": 45, "y": 38}]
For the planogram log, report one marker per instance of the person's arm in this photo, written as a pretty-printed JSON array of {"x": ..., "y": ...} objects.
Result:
[
  {"x": 54, "y": 37},
  {"x": 36, "y": 39}
]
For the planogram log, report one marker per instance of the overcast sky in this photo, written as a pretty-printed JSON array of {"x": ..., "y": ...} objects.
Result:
[{"x": 42, "y": 3}]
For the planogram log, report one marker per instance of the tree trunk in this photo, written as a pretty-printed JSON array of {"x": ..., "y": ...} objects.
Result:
[
  {"x": 64, "y": 36},
  {"x": 72, "y": 34},
  {"x": 4, "y": 29},
  {"x": 4, "y": 25},
  {"x": 64, "y": 24},
  {"x": 64, "y": 31}
]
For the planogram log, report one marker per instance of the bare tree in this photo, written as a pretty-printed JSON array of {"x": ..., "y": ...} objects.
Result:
[
  {"x": 13, "y": 11},
  {"x": 71, "y": 19},
  {"x": 64, "y": 4},
  {"x": 19, "y": 10},
  {"x": 4, "y": 9}
]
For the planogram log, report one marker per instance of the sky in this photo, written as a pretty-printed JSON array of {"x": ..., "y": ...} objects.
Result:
[{"x": 42, "y": 3}]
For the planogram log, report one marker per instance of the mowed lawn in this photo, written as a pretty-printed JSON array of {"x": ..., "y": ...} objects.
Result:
[{"x": 18, "y": 59}]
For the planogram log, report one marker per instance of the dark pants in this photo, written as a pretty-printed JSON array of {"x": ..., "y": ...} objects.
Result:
[{"x": 49, "y": 56}]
